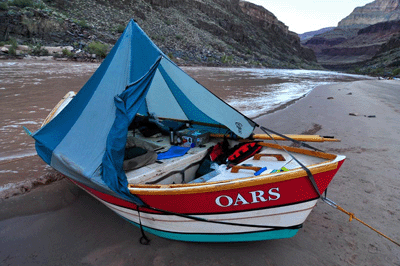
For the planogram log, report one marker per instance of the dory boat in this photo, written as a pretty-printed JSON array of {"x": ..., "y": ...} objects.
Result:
[{"x": 166, "y": 154}]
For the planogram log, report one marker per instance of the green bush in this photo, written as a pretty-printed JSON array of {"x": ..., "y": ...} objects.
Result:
[
  {"x": 13, "y": 49},
  {"x": 22, "y": 3},
  {"x": 39, "y": 5},
  {"x": 13, "y": 42},
  {"x": 67, "y": 53},
  {"x": 3, "y": 6},
  {"x": 396, "y": 72},
  {"x": 120, "y": 28},
  {"x": 11, "y": 12},
  {"x": 226, "y": 59},
  {"x": 97, "y": 48},
  {"x": 83, "y": 24},
  {"x": 377, "y": 71},
  {"x": 38, "y": 50}
]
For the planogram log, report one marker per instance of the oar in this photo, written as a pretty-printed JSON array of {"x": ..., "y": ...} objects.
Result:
[{"x": 303, "y": 138}]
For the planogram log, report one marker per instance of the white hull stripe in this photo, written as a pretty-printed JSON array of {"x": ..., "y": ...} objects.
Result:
[{"x": 286, "y": 216}]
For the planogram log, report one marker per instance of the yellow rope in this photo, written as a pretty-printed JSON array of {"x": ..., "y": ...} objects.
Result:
[{"x": 352, "y": 216}]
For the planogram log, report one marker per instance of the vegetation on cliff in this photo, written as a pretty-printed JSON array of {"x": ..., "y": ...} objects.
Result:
[{"x": 218, "y": 32}]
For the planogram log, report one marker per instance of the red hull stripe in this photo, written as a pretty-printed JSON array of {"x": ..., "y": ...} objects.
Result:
[
  {"x": 128, "y": 205},
  {"x": 229, "y": 201}
]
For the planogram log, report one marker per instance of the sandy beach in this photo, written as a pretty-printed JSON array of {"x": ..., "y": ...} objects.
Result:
[{"x": 59, "y": 224}]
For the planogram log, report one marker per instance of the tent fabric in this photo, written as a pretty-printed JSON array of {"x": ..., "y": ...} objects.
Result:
[
  {"x": 86, "y": 140},
  {"x": 128, "y": 104}
]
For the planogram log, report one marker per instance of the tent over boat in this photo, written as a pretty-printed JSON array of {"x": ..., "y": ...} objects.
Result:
[
  {"x": 136, "y": 77},
  {"x": 87, "y": 141}
]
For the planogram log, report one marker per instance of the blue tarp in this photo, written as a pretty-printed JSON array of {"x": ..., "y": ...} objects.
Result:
[
  {"x": 174, "y": 151},
  {"x": 86, "y": 140}
]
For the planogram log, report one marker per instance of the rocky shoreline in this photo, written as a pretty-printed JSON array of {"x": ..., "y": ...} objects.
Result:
[{"x": 59, "y": 53}]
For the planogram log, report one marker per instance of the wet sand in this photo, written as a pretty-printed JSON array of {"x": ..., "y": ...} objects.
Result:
[{"x": 59, "y": 224}]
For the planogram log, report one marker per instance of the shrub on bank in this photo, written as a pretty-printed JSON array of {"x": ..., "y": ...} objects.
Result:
[
  {"x": 3, "y": 6},
  {"x": 21, "y": 3},
  {"x": 38, "y": 50},
  {"x": 13, "y": 49},
  {"x": 97, "y": 48},
  {"x": 226, "y": 59},
  {"x": 67, "y": 52},
  {"x": 396, "y": 72}
]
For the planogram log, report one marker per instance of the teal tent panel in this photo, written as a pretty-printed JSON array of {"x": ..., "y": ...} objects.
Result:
[
  {"x": 191, "y": 110},
  {"x": 160, "y": 100},
  {"x": 49, "y": 136},
  {"x": 84, "y": 144},
  {"x": 208, "y": 106}
]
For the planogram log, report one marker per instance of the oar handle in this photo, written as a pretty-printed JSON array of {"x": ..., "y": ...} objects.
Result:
[
  {"x": 236, "y": 168},
  {"x": 279, "y": 157}
]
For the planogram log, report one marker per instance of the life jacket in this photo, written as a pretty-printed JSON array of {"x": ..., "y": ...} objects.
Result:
[
  {"x": 243, "y": 152},
  {"x": 220, "y": 152}
]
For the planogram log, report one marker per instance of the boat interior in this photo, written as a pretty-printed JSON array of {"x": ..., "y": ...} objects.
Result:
[
  {"x": 145, "y": 166},
  {"x": 188, "y": 167}
]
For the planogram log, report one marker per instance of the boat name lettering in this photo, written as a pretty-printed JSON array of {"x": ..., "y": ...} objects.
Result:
[{"x": 254, "y": 197}]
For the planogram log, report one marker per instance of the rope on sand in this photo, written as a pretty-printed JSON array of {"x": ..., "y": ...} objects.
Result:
[
  {"x": 352, "y": 216},
  {"x": 17, "y": 159}
]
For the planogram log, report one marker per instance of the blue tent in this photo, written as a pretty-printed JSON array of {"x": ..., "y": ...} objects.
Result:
[{"x": 86, "y": 140}]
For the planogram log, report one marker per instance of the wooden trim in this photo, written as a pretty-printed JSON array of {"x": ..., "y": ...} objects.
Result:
[
  {"x": 55, "y": 109},
  {"x": 318, "y": 154}
]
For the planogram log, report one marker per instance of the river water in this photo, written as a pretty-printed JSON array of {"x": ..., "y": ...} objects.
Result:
[{"x": 29, "y": 89}]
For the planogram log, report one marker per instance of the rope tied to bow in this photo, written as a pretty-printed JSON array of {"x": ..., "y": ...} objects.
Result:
[{"x": 353, "y": 216}]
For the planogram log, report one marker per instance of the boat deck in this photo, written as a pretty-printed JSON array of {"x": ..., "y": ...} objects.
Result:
[{"x": 180, "y": 170}]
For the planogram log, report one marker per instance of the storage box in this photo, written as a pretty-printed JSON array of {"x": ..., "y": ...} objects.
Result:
[{"x": 191, "y": 135}]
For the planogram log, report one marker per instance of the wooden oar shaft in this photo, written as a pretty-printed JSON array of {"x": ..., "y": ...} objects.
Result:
[{"x": 305, "y": 138}]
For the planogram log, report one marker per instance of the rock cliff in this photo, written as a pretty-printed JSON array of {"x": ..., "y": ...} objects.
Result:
[
  {"x": 212, "y": 32},
  {"x": 261, "y": 15},
  {"x": 372, "y": 13},
  {"x": 358, "y": 37}
]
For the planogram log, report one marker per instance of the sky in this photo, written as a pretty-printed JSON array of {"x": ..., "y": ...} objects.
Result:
[{"x": 309, "y": 15}]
